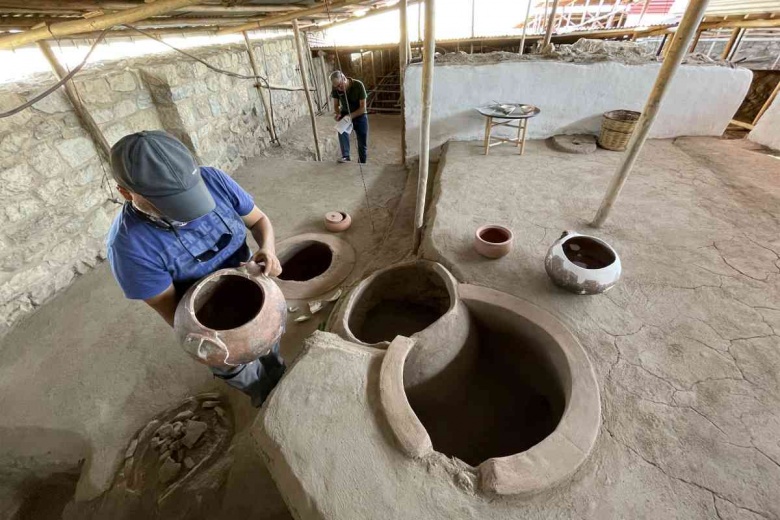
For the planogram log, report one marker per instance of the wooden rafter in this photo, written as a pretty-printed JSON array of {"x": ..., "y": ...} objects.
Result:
[{"x": 92, "y": 24}]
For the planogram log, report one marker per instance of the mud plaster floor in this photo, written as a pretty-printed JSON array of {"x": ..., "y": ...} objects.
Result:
[
  {"x": 89, "y": 368},
  {"x": 685, "y": 348}
]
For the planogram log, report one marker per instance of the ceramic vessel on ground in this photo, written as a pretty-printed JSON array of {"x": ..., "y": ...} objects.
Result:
[
  {"x": 230, "y": 317},
  {"x": 493, "y": 241},
  {"x": 337, "y": 221},
  {"x": 582, "y": 264}
]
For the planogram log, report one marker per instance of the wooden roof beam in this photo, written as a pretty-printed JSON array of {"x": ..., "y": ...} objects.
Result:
[
  {"x": 370, "y": 13},
  {"x": 54, "y": 6},
  {"x": 93, "y": 24},
  {"x": 288, "y": 17}
]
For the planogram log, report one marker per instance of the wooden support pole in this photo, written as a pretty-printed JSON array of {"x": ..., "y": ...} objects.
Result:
[
  {"x": 681, "y": 40},
  {"x": 326, "y": 84},
  {"x": 730, "y": 44},
  {"x": 695, "y": 41},
  {"x": 735, "y": 48},
  {"x": 373, "y": 70},
  {"x": 525, "y": 26},
  {"x": 81, "y": 111},
  {"x": 302, "y": 64},
  {"x": 429, "y": 47},
  {"x": 644, "y": 10},
  {"x": 258, "y": 87},
  {"x": 767, "y": 103},
  {"x": 404, "y": 53},
  {"x": 96, "y": 23},
  {"x": 550, "y": 23}
]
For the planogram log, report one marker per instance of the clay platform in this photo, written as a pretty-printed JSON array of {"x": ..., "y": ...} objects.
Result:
[
  {"x": 90, "y": 368},
  {"x": 685, "y": 348}
]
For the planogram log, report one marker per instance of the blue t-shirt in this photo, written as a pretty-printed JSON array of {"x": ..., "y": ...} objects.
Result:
[{"x": 146, "y": 258}]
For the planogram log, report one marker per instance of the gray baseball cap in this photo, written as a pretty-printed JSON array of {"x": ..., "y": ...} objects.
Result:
[{"x": 159, "y": 167}]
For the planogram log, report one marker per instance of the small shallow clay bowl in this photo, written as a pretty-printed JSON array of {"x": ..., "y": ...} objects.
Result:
[
  {"x": 493, "y": 241},
  {"x": 337, "y": 221}
]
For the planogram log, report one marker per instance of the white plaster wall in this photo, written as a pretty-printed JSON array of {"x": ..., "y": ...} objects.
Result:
[
  {"x": 767, "y": 130},
  {"x": 701, "y": 99}
]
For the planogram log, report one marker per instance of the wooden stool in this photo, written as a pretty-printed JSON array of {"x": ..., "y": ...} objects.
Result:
[{"x": 507, "y": 120}]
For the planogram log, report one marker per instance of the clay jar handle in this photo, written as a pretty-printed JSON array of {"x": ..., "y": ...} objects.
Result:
[
  {"x": 252, "y": 268},
  {"x": 203, "y": 352}
]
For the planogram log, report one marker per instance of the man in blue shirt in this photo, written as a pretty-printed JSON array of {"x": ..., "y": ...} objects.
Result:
[{"x": 181, "y": 222}]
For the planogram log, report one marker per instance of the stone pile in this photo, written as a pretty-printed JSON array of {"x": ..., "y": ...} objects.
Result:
[{"x": 181, "y": 437}]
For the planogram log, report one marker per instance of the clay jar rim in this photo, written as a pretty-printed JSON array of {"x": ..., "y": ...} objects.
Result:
[
  {"x": 336, "y": 217},
  {"x": 222, "y": 273},
  {"x": 338, "y": 321},
  {"x": 571, "y": 235},
  {"x": 488, "y": 227}
]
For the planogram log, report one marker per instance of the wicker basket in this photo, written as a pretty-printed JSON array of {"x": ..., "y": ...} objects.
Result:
[{"x": 616, "y": 129}]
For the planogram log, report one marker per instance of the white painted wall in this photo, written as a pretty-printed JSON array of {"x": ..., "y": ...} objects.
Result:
[
  {"x": 701, "y": 99},
  {"x": 767, "y": 130}
]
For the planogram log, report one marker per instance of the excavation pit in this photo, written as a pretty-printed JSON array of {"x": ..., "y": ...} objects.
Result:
[
  {"x": 228, "y": 302},
  {"x": 400, "y": 302},
  {"x": 313, "y": 264},
  {"x": 512, "y": 398},
  {"x": 311, "y": 260},
  {"x": 526, "y": 413}
]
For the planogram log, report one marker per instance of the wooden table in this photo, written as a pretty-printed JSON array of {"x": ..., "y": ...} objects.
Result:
[{"x": 521, "y": 117}]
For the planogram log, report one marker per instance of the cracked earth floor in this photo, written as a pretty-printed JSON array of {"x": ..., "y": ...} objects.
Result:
[{"x": 686, "y": 347}]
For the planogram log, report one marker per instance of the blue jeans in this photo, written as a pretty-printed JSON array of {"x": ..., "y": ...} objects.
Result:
[
  {"x": 257, "y": 378},
  {"x": 360, "y": 125}
]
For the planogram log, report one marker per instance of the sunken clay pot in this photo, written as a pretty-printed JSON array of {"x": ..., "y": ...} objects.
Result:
[
  {"x": 582, "y": 264},
  {"x": 337, "y": 221},
  {"x": 230, "y": 317},
  {"x": 444, "y": 349},
  {"x": 493, "y": 241}
]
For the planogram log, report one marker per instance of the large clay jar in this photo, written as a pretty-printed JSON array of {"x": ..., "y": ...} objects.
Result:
[
  {"x": 231, "y": 316},
  {"x": 419, "y": 300},
  {"x": 582, "y": 264}
]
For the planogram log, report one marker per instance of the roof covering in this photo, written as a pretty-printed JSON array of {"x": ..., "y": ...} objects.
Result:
[{"x": 203, "y": 16}]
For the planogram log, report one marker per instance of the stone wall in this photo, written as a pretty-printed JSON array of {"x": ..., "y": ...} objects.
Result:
[{"x": 55, "y": 191}]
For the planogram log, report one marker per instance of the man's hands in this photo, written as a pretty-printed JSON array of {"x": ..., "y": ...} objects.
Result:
[
  {"x": 268, "y": 257},
  {"x": 338, "y": 117}
]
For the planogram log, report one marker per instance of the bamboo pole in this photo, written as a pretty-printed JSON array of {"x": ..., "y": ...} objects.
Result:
[
  {"x": 256, "y": 72},
  {"x": 373, "y": 71},
  {"x": 548, "y": 32},
  {"x": 766, "y": 104},
  {"x": 81, "y": 111},
  {"x": 325, "y": 82},
  {"x": 681, "y": 40},
  {"x": 730, "y": 44},
  {"x": 96, "y": 23},
  {"x": 695, "y": 41},
  {"x": 644, "y": 10},
  {"x": 429, "y": 48},
  {"x": 525, "y": 25},
  {"x": 403, "y": 61},
  {"x": 302, "y": 64},
  {"x": 60, "y": 7},
  {"x": 288, "y": 17}
]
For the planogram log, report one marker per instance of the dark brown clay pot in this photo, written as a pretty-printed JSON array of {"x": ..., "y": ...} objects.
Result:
[{"x": 230, "y": 317}]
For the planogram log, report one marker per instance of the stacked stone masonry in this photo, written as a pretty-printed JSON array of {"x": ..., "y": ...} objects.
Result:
[{"x": 55, "y": 190}]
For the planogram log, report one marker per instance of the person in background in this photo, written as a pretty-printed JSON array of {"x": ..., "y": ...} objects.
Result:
[
  {"x": 181, "y": 222},
  {"x": 351, "y": 96}
]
